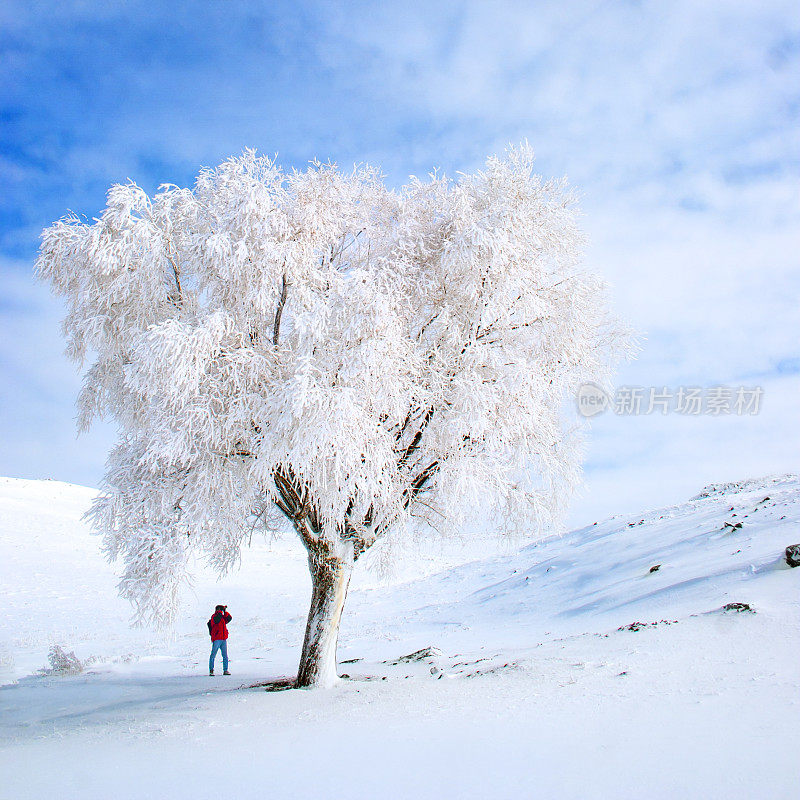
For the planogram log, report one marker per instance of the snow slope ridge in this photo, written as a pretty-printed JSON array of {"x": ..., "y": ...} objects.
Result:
[
  {"x": 725, "y": 545},
  {"x": 772, "y": 482}
]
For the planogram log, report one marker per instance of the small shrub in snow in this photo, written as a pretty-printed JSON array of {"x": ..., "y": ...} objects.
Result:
[
  {"x": 6, "y": 660},
  {"x": 62, "y": 662}
]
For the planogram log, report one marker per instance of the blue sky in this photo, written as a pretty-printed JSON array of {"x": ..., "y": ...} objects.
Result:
[{"x": 677, "y": 121}]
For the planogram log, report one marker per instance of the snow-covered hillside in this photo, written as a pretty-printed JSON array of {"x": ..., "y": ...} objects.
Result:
[{"x": 600, "y": 664}]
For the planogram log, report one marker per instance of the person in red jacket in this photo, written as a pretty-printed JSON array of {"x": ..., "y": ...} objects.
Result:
[{"x": 218, "y": 630}]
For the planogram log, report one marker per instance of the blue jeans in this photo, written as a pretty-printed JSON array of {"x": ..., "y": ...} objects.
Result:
[{"x": 219, "y": 644}]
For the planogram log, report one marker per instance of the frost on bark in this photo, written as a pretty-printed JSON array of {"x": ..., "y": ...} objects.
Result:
[
  {"x": 317, "y": 351},
  {"x": 330, "y": 577}
]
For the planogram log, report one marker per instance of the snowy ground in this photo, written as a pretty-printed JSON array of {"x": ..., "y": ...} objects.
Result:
[{"x": 538, "y": 687}]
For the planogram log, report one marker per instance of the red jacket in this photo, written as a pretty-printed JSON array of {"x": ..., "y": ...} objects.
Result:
[{"x": 218, "y": 625}]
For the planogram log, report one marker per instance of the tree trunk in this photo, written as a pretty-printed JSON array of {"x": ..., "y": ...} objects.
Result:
[{"x": 330, "y": 577}]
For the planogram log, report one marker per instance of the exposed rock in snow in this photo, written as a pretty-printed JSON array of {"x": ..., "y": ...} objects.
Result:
[
  {"x": 419, "y": 655},
  {"x": 738, "y": 607}
]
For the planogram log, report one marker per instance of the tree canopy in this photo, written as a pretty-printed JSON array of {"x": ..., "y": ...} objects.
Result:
[{"x": 317, "y": 347}]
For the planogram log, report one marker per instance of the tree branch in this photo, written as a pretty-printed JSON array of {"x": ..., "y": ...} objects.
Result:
[
  {"x": 294, "y": 503},
  {"x": 412, "y": 447},
  {"x": 279, "y": 312}
]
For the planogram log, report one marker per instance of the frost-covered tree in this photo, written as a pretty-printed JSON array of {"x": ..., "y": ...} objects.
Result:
[{"x": 317, "y": 348}]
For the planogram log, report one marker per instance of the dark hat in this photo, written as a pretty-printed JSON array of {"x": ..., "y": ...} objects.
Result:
[{"x": 220, "y": 607}]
